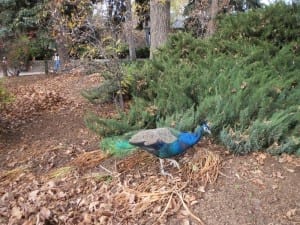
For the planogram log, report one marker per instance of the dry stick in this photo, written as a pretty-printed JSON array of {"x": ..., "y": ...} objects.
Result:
[
  {"x": 147, "y": 194},
  {"x": 224, "y": 175},
  {"x": 188, "y": 210},
  {"x": 167, "y": 206},
  {"x": 107, "y": 170}
]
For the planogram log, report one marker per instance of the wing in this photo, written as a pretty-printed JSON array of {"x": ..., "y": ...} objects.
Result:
[
  {"x": 154, "y": 148},
  {"x": 175, "y": 132},
  {"x": 153, "y": 136},
  {"x": 159, "y": 141}
]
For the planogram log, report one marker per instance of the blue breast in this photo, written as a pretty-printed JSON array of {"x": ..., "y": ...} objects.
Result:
[
  {"x": 185, "y": 140},
  {"x": 188, "y": 138},
  {"x": 172, "y": 149}
]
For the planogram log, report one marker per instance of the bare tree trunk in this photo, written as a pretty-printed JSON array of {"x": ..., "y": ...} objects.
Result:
[
  {"x": 120, "y": 95},
  {"x": 61, "y": 41},
  {"x": 159, "y": 23},
  {"x": 46, "y": 66},
  {"x": 129, "y": 31},
  {"x": 4, "y": 67},
  {"x": 211, "y": 26},
  {"x": 62, "y": 49}
]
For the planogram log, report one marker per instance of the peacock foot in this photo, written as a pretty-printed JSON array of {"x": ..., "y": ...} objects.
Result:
[
  {"x": 162, "y": 171},
  {"x": 166, "y": 173},
  {"x": 174, "y": 163}
]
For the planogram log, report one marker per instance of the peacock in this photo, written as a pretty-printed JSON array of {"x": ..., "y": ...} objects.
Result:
[{"x": 164, "y": 143}]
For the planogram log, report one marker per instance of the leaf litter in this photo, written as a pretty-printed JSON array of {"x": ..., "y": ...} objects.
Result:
[{"x": 87, "y": 187}]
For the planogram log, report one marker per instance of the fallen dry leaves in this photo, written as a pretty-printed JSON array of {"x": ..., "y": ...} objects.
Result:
[
  {"x": 45, "y": 94},
  {"x": 64, "y": 196},
  {"x": 65, "y": 184}
]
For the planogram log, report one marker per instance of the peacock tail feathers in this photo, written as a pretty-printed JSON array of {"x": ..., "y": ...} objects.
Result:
[{"x": 117, "y": 145}]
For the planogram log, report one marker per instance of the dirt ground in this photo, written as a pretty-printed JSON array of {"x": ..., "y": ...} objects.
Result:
[{"x": 52, "y": 170}]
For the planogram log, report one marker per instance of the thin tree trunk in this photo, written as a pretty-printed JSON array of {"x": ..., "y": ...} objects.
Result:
[
  {"x": 46, "y": 66},
  {"x": 62, "y": 50},
  {"x": 211, "y": 26},
  {"x": 159, "y": 23},
  {"x": 129, "y": 31},
  {"x": 4, "y": 67},
  {"x": 61, "y": 41}
]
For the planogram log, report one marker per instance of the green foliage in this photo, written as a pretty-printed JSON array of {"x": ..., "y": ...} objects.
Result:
[
  {"x": 109, "y": 127},
  {"x": 5, "y": 97},
  {"x": 197, "y": 24},
  {"x": 20, "y": 20},
  {"x": 244, "y": 81},
  {"x": 27, "y": 18},
  {"x": 115, "y": 48},
  {"x": 102, "y": 94},
  {"x": 143, "y": 52},
  {"x": 20, "y": 15},
  {"x": 40, "y": 47},
  {"x": 115, "y": 86},
  {"x": 180, "y": 120},
  {"x": 19, "y": 54},
  {"x": 278, "y": 24}
]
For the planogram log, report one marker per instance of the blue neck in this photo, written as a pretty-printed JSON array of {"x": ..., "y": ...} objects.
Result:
[
  {"x": 190, "y": 139},
  {"x": 199, "y": 132}
]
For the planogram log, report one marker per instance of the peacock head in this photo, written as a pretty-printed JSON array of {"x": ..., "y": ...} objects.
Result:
[{"x": 205, "y": 127}]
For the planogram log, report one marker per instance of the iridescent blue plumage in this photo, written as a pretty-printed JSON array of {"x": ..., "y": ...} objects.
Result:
[{"x": 167, "y": 142}]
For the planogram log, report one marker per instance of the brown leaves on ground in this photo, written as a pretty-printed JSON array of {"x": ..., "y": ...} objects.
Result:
[
  {"x": 139, "y": 195},
  {"x": 53, "y": 182},
  {"x": 44, "y": 94},
  {"x": 28, "y": 101},
  {"x": 53, "y": 172}
]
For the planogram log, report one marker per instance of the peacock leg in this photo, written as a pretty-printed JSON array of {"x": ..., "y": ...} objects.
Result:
[
  {"x": 174, "y": 163},
  {"x": 163, "y": 172}
]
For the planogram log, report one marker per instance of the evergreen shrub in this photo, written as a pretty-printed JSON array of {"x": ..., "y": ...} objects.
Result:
[
  {"x": 244, "y": 81},
  {"x": 101, "y": 94},
  {"x": 142, "y": 52}
]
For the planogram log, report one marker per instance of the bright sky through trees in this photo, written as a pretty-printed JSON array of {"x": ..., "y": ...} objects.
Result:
[{"x": 267, "y": 2}]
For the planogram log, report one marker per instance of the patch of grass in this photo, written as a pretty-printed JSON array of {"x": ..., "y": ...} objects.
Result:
[
  {"x": 10, "y": 175},
  {"x": 60, "y": 172},
  {"x": 100, "y": 177}
]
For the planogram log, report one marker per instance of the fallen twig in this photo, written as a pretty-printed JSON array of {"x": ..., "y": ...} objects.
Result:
[{"x": 188, "y": 210}]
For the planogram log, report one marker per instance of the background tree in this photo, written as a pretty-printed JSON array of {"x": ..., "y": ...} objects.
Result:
[
  {"x": 129, "y": 30},
  {"x": 20, "y": 21},
  {"x": 142, "y": 10},
  {"x": 160, "y": 23},
  {"x": 202, "y": 14},
  {"x": 68, "y": 18},
  {"x": 19, "y": 16},
  {"x": 213, "y": 12},
  {"x": 81, "y": 28}
]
